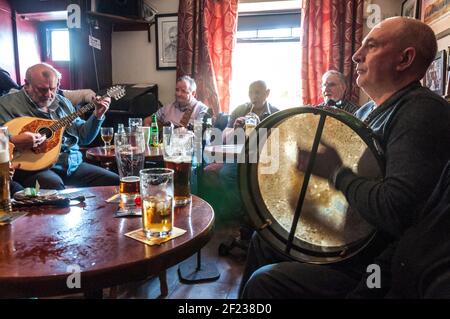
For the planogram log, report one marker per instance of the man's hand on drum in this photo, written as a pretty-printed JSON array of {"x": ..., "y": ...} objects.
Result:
[{"x": 327, "y": 161}]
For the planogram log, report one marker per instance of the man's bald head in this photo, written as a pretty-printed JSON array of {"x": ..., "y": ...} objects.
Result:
[
  {"x": 258, "y": 93},
  {"x": 409, "y": 32},
  {"x": 42, "y": 70}
]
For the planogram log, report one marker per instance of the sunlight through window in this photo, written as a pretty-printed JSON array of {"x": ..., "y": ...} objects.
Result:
[{"x": 60, "y": 45}]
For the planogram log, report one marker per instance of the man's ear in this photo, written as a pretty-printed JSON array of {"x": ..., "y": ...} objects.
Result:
[
  {"x": 267, "y": 92},
  {"x": 407, "y": 58},
  {"x": 193, "y": 93}
]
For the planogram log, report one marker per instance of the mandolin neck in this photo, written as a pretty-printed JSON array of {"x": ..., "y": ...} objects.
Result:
[{"x": 67, "y": 120}]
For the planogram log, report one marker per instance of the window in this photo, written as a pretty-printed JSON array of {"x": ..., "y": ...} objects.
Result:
[
  {"x": 268, "y": 48},
  {"x": 59, "y": 44}
]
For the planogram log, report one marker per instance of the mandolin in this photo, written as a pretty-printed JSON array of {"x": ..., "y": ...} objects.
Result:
[{"x": 46, "y": 154}]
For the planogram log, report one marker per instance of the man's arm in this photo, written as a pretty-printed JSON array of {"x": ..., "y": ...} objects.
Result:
[
  {"x": 415, "y": 156},
  {"x": 88, "y": 130}
]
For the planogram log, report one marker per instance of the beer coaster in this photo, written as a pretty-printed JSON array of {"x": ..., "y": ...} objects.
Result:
[
  {"x": 113, "y": 199},
  {"x": 139, "y": 235},
  {"x": 128, "y": 211},
  {"x": 9, "y": 218}
]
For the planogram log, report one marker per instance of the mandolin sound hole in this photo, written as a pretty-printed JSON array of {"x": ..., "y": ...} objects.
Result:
[{"x": 45, "y": 131}]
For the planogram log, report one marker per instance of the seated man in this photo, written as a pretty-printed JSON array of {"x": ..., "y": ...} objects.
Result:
[
  {"x": 38, "y": 98},
  {"x": 258, "y": 94},
  {"x": 411, "y": 124},
  {"x": 220, "y": 180},
  {"x": 184, "y": 110},
  {"x": 333, "y": 91}
]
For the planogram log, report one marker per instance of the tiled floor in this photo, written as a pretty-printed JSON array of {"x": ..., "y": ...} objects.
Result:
[{"x": 226, "y": 287}]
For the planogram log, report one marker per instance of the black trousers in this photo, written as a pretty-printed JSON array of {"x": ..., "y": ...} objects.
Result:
[{"x": 86, "y": 175}]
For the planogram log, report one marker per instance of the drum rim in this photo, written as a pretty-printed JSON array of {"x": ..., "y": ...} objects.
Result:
[{"x": 257, "y": 210}]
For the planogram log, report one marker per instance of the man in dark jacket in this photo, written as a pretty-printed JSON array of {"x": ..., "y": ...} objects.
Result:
[{"x": 411, "y": 123}]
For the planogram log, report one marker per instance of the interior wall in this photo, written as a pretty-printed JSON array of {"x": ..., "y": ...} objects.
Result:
[
  {"x": 134, "y": 57},
  {"x": 28, "y": 45},
  {"x": 7, "y": 60}
]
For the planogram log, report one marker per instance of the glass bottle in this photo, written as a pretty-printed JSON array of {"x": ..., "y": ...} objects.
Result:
[
  {"x": 120, "y": 128},
  {"x": 154, "y": 132}
]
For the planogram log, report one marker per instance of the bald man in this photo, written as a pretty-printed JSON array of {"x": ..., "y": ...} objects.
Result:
[
  {"x": 412, "y": 126},
  {"x": 258, "y": 92},
  {"x": 38, "y": 98}
]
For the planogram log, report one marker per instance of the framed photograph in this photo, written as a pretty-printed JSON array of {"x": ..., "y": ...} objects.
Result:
[
  {"x": 434, "y": 10},
  {"x": 166, "y": 41},
  {"x": 447, "y": 92},
  {"x": 435, "y": 76},
  {"x": 410, "y": 8}
]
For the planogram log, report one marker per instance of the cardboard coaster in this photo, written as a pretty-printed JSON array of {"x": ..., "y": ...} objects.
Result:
[{"x": 139, "y": 235}]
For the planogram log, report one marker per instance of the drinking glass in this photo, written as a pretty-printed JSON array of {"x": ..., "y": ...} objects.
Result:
[
  {"x": 130, "y": 155},
  {"x": 178, "y": 156},
  {"x": 107, "y": 134},
  {"x": 251, "y": 121},
  {"x": 5, "y": 202},
  {"x": 157, "y": 201},
  {"x": 134, "y": 123}
]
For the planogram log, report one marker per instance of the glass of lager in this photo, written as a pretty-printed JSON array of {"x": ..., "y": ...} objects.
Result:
[
  {"x": 5, "y": 202},
  {"x": 157, "y": 201},
  {"x": 178, "y": 157},
  {"x": 251, "y": 121},
  {"x": 130, "y": 154}
]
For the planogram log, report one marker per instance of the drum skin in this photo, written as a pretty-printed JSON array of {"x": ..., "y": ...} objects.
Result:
[{"x": 328, "y": 230}]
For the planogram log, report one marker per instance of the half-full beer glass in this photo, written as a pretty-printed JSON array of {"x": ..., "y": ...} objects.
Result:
[
  {"x": 178, "y": 157},
  {"x": 130, "y": 154},
  {"x": 5, "y": 203},
  {"x": 157, "y": 201}
]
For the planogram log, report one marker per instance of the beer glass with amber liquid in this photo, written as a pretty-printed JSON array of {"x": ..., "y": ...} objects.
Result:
[
  {"x": 157, "y": 198},
  {"x": 5, "y": 202},
  {"x": 178, "y": 157},
  {"x": 251, "y": 121},
  {"x": 130, "y": 154}
]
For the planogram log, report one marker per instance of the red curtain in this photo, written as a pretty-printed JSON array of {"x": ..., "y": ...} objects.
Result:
[
  {"x": 207, "y": 30},
  {"x": 331, "y": 33}
]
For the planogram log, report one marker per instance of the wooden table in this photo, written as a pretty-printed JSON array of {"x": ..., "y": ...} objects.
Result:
[
  {"x": 106, "y": 157},
  {"x": 37, "y": 250}
]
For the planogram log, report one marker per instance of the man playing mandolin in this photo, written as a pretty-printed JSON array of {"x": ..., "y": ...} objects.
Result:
[{"x": 39, "y": 99}]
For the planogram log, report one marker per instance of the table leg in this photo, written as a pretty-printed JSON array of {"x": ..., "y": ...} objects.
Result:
[{"x": 163, "y": 283}]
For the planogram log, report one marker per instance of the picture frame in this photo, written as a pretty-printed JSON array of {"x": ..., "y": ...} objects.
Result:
[
  {"x": 410, "y": 8},
  {"x": 436, "y": 73},
  {"x": 434, "y": 10},
  {"x": 166, "y": 41},
  {"x": 447, "y": 92}
]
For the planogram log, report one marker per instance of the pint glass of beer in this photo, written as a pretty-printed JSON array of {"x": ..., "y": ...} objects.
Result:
[
  {"x": 157, "y": 201},
  {"x": 178, "y": 157},
  {"x": 5, "y": 203},
  {"x": 130, "y": 154}
]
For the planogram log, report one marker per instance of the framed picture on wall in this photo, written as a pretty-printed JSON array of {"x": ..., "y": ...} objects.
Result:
[
  {"x": 435, "y": 76},
  {"x": 434, "y": 10},
  {"x": 447, "y": 92},
  {"x": 166, "y": 41},
  {"x": 410, "y": 8}
]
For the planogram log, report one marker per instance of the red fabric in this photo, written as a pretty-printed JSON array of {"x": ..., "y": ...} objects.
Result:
[
  {"x": 331, "y": 33},
  {"x": 207, "y": 36}
]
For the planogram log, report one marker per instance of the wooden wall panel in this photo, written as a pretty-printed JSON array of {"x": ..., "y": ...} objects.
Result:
[
  {"x": 28, "y": 45},
  {"x": 7, "y": 60}
]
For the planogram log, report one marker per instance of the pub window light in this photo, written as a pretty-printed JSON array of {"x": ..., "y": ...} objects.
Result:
[{"x": 60, "y": 48}]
